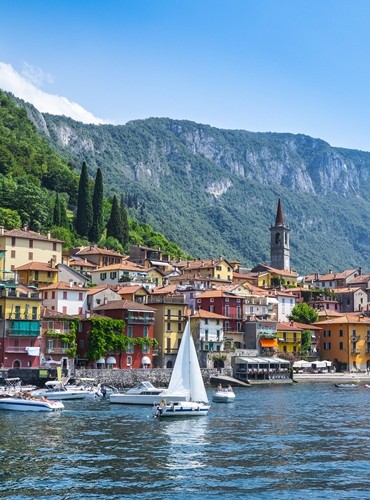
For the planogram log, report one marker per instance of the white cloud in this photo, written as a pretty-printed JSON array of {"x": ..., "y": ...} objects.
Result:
[
  {"x": 36, "y": 75},
  {"x": 25, "y": 88}
]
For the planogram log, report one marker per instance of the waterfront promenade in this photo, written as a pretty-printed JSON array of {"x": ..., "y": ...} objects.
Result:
[{"x": 336, "y": 377}]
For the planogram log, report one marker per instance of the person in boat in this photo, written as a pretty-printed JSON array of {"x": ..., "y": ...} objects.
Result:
[
  {"x": 229, "y": 388},
  {"x": 20, "y": 395},
  {"x": 219, "y": 387}
]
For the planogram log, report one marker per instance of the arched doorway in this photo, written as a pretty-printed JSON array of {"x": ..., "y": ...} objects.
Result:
[
  {"x": 17, "y": 364},
  {"x": 169, "y": 364}
]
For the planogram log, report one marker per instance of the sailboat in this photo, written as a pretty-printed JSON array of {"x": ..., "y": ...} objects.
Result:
[{"x": 186, "y": 378}]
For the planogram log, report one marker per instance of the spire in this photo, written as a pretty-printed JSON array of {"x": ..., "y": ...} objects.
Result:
[{"x": 279, "y": 215}]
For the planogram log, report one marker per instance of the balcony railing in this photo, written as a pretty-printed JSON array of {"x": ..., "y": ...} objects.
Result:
[
  {"x": 13, "y": 332},
  {"x": 15, "y": 349},
  {"x": 140, "y": 319},
  {"x": 355, "y": 351},
  {"x": 152, "y": 299},
  {"x": 56, "y": 350}
]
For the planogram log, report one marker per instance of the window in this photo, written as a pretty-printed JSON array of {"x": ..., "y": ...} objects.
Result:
[
  {"x": 13, "y": 241},
  {"x": 64, "y": 311},
  {"x": 12, "y": 254},
  {"x": 179, "y": 327},
  {"x": 45, "y": 295},
  {"x": 212, "y": 300},
  {"x": 30, "y": 255},
  {"x": 80, "y": 296},
  {"x": 113, "y": 275},
  {"x": 80, "y": 310},
  {"x": 341, "y": 345},
  {"x": 206, "y": 321},
  {"x": 146, "y": 332},
  {"x": 340, "y": 333},
  {"x": 17, "y": 312},
  {"x": 34, "y": 312},
  {"x": 168, "y": 327},
  {"x": 129, "y": 360},
  {"x": 327, "y": 346},
  {"x": 65, "y": 295},
  {"x": 206, "y": 335},
  {"x": 130, "y": 348},
  {"x": 103, "y": 276},
  {"x": 53, "y": 295},
  {"x": 81, "y": 344},
  {"x": 30, "y": 243},
  {"x": 54, "y": 247}
]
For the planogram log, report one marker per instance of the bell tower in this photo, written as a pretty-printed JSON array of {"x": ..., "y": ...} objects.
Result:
[{"x": 280, "y": 249}]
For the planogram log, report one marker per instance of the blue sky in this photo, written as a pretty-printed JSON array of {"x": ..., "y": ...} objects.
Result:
[{"x": 299, "y": 66}]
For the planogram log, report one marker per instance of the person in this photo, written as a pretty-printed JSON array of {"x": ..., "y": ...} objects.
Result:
[
  {"x": 219, "y": 387},
  {"x": 229, "y": 388},
  {"x": 28, "y": 395}
]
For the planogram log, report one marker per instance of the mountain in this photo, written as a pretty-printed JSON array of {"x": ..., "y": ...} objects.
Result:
[{"x": 214, "y": 192}]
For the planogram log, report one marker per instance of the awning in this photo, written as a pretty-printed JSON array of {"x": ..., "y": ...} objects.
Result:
[
  {"x": 101, "y": 361},
  {"x": 146, "y": 360},
  {"x": 33, "y": 351},
  {"x": 111, "y": 360},
  {"x": 268, "y": 342}
]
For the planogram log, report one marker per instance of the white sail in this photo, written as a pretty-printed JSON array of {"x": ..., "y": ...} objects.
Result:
[{"x": 186, "y": 375}]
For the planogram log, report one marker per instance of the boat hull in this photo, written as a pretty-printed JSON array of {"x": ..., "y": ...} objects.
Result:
[
  {"x": 61, "y": 395},
  {"x": 15, "y": 404},
  {"x": 182, "y": 409},
  {"x": 223, "y": 397},
  {"x": 143, "y": 399}
]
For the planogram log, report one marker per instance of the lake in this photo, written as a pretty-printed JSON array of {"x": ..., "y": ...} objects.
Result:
[{"x": 305, "y": 440}]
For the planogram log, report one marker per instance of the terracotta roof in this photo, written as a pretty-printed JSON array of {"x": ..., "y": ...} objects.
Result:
[
  {"x": 294, "y": 325},
  {"x": 163, "y": 290},
  {"x": 201, "y": 313},
  {"x": 81, "y": 263},
  {"x": 122, "y": 266},
  {"x": 62, "y": 285},
  {"x": 361, "y": 278},
  {"x": 215, "y": 293},
  {"x": 129, "y": 305},
  {"x": 30, "y": 235},
  {"x": 37, "y": 266},
  {"x": 99, "y": 288},
  {"x": 51, "y": 313},
  {"x": 346, "y": 318},
  {"x": 131, "y": 289},
  {"x": 198, "y": 264},
  {"x": 337, "y": 276},
  {"x": 94, "y": 250}
]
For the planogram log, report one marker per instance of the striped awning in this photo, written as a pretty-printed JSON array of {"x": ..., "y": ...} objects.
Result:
[{"x": 268, "y": 342}]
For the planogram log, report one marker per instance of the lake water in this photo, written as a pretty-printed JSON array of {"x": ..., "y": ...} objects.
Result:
[{"x": 306, "y": 440}]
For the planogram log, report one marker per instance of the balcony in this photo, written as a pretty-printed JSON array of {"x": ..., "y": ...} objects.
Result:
[
  {"x": 355, "y": 352},
  {"x": 355, "y": 338},
  {"x": 57, "y": 350},
  {"x": 168, "y": 299},
  {"x": 140, "y": 319},
  {"x": 15, "y": 349},
  {"x": 15, "y": 332}
]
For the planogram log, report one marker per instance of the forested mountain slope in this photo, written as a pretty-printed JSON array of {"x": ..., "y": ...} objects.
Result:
[{"x": 214, "y": 192}]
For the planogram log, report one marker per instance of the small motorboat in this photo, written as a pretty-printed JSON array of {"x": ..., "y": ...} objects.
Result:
[
  {"x": 19, "y": 403},
  {"x": 144, "y": 393},
  {"x": 56, "y": 390},
  {"x": 223, "y": 395},
  {"x": 347, "y": 386}
]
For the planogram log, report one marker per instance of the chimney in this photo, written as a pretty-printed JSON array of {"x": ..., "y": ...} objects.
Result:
[
  {"x": 48, "y": 234},
  {"x": 1, "y": 230},
  {"x": 70, "y": 283}
]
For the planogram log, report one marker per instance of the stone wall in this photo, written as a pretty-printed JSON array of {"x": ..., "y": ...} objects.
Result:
[{"x": 160, "y": 377}]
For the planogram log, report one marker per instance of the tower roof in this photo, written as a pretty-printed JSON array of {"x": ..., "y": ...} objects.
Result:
[{"x": 279, "y": 215}]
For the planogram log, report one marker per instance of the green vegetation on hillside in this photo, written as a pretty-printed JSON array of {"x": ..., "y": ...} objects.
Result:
[{"x": 38, "y": 188}]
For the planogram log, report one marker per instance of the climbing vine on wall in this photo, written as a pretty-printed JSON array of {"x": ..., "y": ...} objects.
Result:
[{"x": 106, "y": 335}]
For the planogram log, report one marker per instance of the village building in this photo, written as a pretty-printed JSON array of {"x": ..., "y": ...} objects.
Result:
[
  {"x": 38, "y": 274},
  {"x": 209, "y": 338},
  {"x": 65, "y": 298}
]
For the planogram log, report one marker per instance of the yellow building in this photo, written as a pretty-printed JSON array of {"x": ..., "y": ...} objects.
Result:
[
  {"x": 345, "y": 340},
  {"x": 289, "y": 336},
  {"x": 269, "y": 277},
  {"x": 219, "y": 269},
  {"x": 170, "y": 319},
  {"x": 20, "y": 246},
  {"x": 38, "y": 273},
  {"x": 20, "y": 316}
]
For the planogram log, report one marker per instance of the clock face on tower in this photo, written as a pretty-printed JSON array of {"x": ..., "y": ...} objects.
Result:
[{"x": 277, "y": 238}]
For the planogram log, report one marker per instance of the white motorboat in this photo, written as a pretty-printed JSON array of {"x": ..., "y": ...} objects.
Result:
[
  {"x": 15, "y": 403},
  {"x": 144, "y": 393},
  {"x": 89, "y": 385},
  {"x": 186, "y": 379},
  {"x": 223, "y": 395},
  {"x": 56, "y": 390}
]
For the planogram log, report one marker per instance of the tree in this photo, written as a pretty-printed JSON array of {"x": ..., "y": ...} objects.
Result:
[
  {"x": 97, "y": 227},
  {"x": 114, "y": 226},
  {"x": 57, "y": 215},
  {"x": 9, "y": 218},
  {"x": 305, "y": 342},
  {"x": 303, "y": 313},
  {"x": 84, "y": 215},
  {"x": 125, "y": 223}
]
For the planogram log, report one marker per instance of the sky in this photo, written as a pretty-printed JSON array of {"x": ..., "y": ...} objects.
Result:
[{"x": 298, "y": 66}]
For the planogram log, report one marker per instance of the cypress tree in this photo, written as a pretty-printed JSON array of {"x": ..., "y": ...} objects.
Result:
[
  {"x": 125, "y": 224},
  {"x": 57, "y": 216},
  {"x": 114, "y": 226},
  {"x": 97, "y": 227},
  {"x": 84, "y": 213}
]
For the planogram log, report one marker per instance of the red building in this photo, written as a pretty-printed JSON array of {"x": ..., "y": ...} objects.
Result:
[
  {"x": 139, "y": 323},
  {"x": 228, "y": 305}
]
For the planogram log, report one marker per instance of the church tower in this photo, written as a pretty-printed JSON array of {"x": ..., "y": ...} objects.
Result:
[{"x": 280, "y": 249}]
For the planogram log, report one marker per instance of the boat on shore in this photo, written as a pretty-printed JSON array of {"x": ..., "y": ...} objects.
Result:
[
  {"x": 144, "y": 393},
  {"x": 19, "y": 403}
]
